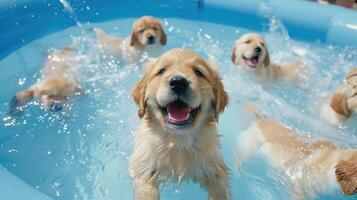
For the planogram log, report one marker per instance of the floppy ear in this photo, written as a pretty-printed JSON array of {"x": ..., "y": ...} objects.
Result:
[
  {"x": 339, "y": 104},
  {"x": 221, "y": 97},
  {"x": 163, "y": 38},
  {"x": 133, "y": 39},
  {"x": 346, "y": 176},
  {"x": 138, "y": 95},
  {"x": 139, "y": 90},
  {"x": 266, "y": 60},
  {"x": 233, "y": 56}
]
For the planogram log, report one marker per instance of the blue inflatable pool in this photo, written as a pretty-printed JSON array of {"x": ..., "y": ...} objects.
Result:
[{"x": 25, "y": 21}]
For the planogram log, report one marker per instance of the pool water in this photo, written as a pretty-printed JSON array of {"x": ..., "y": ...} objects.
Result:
[{"x": 82, "y": 152}]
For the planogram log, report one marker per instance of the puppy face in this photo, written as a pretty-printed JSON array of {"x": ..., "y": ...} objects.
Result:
[
  {"x": 180, "y": 91},
  {"x": 250, "y": 52},
  {"x": 147, "y": 31}
]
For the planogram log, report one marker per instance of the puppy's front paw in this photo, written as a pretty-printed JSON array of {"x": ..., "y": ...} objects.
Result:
[{"x": 16, "y": 106}]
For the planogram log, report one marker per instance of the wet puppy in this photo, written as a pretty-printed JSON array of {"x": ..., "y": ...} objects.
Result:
[
  {"x": 147, "y": 35},
  {"x": 343, "y": 102},
  {"x": 56, "y": 85},
  {"x": 313, "y": 167},
  {"x": 180, "y": 98},
  {"x": 251, "y": 52}
]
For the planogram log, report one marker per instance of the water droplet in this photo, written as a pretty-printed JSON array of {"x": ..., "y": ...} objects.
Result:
[
  {"x": 207, "y": 36},
  {"x": 13, "y": 151},
  {"x": 22, "y": 81}
]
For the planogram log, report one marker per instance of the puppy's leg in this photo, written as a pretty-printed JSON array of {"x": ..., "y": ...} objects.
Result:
[
  {"x": 145, "y": 189},
  {"x": 143, "y": 169},
  {"x": 19, "y": 100},
  {"x": 218, "y": 185}
]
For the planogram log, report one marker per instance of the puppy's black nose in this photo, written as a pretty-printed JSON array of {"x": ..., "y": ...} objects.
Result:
[
  {"x": 151, "y": 39},
  {"x": 178, "y": 84},
  {"x": 258, "y": 49}
]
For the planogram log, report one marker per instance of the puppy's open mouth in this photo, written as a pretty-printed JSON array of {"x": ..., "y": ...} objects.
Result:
[
  {"x": 179, "y": 113},
  {"x": 251, "y": 62}
]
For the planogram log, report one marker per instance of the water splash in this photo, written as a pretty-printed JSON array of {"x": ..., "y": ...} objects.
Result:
[
  {"x": 68, "y": 8},
  {"x": 275, "y": 25}
]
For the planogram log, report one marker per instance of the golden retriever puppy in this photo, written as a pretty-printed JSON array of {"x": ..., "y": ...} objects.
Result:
[
  {"x": 251, "y": 52},
  {"x": 180, "y": 98},
  {"x": 343, "y": 102},
  {"x": 57, "y": 83},
  {"x": 147, "y": 35},
  {"x": 313, "y": 167}
]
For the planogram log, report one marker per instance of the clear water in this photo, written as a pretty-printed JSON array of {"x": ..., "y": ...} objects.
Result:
[{"x": 83, "y": 153}]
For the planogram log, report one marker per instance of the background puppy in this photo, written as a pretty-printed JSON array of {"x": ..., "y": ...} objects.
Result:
[
  {"x": 147, "y": 35},
  {"x": 251, "y": 52},
  {"x": 312, "y": 167},
  {"x": 343, "y": 103},
  {"x": 56, "y": 85},
  {"x": 180, "y": 98}
]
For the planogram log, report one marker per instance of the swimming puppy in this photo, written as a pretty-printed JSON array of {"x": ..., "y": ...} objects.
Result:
[
  {"x": 251, "y": 52},
  {"x": 343, "y": 102},
  {"x": 147, "y": 35},
  {"x": 57, "y": 83},
  {"x": 312, "y": 167},
  {"x": 180, "y": 98}
]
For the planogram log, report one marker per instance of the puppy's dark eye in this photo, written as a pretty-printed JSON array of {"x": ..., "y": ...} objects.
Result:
[
  {"x": 162, "y": 70},
  {"x": 198, "y": 73},
  {"x": 155, "y": 28},
  {"x": 142, "y": 30},
  {"x": 247, "y": 42},
  {"x": 262, "y": 44}
]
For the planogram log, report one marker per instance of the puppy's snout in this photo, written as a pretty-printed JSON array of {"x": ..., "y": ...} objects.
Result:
[
  {"x": 151, "y": 39},
  {"x": 258, "y": 49},
  {"x": 178, "y": 84}
]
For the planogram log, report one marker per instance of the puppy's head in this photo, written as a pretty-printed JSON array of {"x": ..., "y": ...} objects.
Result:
[
  {"x": 346, "y": 172},
  {"x": 250, "y": 51},
  {"x": 180, "y": 91},
  {"x": 147, "y": 31},
  {"x": 344, "y": 103}
]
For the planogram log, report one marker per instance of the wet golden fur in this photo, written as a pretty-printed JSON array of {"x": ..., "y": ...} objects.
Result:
[
  {"x": 245, "y": 48},
  {"x": 162, "y": 153},
  {"x": 56, "y": 85},
  {"x": 313, "y": 167},
  {"x": 131, "y": 47}
]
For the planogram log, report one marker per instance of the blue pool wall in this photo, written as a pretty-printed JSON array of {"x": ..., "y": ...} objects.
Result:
[{"x": 22, "y": 21}]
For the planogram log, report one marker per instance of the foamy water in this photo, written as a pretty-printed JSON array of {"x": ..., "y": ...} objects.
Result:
[{"x": 82, "y": 154}]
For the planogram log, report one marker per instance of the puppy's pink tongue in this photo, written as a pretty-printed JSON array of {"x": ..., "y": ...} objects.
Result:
[
  {"x": 178, "y": 112},
  {"x": 252, "y": 62}
]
